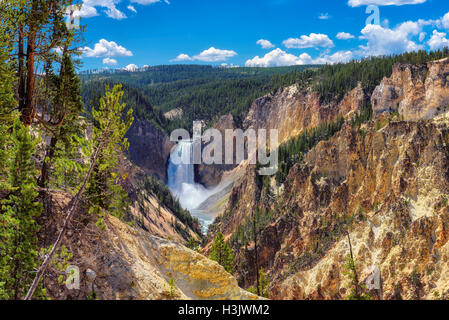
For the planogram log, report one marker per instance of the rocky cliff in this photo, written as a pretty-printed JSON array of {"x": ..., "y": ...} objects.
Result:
[
  {"x": 416, "y": 92},
  {"x": 130, "y": 263},
  {"x": 388, "y": 189},
  {"x": 211, "y": 175},
  {"x": 149, "y": 148},
  {"x": 385, "y": 184},
  {"x": 292, "y": 111}
]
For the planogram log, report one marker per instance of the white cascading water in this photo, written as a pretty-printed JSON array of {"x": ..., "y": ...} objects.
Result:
[{"x": 181, "y": 181}]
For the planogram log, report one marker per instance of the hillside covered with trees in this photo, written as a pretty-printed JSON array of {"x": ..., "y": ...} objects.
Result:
[
  {"x": 51, "y": 146},
  {"x": 201, "y": 92}
]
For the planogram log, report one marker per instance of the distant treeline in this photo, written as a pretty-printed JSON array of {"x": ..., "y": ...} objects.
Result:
[
  {"x": 172, "y": 73},
  {"x": 202, "y": 92},
  {"x": 206, "y": 92}
]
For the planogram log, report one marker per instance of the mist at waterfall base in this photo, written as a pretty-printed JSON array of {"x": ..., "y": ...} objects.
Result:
[{"x": 181, "y": 182}]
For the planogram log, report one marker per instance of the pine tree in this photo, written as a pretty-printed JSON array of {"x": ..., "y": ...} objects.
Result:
[
  {"x": 38, "y": 28},
  {"x": 7, "y": 102},
  {"x": 18, "y": 226},
  {"x": 107, "y": 140},
  {"x": 357, "y": 290},
  {"x": 222, "y": 253},
  {"x": 7, "y": 116},
  {"x": 104, "y": 190},
  {"x": 65, "y": 126}
]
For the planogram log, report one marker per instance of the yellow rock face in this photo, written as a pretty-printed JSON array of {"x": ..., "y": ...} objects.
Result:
[
  {"x": 416, "y": 92},
  {"x": 394, "y": 183},
  {"x": 389, "y": 178},
  {"x": 132, "y": 264}
]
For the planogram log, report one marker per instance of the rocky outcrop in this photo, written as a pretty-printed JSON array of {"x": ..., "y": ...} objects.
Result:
[
  {"x": 174, "y": 114},
  {"x": 289, "y": 110},
  {"x": 292, "y": 111},
  {"x": 385, "y": 183},
  {"x": 149, "y": 148},
  {"x": 147, "y": 212},
  {"x": 416, "y": 92},
  {"x": 129, "y": 263},
  {"x": 387, "y": 186},
  {"x": 211, "y": 175}
]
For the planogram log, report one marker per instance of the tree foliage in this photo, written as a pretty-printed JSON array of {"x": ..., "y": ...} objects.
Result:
[
  {"x": 222, "y": 253},
  {"x": 104, "y": 190},
  {"x": 293, "y": 151},
  {"x": 18, "y": 228},
  {"x": 201, "y": 92}
]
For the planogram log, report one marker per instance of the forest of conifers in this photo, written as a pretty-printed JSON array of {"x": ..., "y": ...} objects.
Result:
[
  {"x": 45, "y": 146},
  {"x": 206, "y": 93}
]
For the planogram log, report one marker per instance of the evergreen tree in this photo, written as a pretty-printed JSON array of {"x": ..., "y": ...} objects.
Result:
[
  {"x": 38, "y": 28},
  {"x": 104, "y": 190},
  {"x": 357, "y": 290},
  {"x": 7, "y": 102},
  {"x": 107, "y": 140},
  {"x": 65, "y": 126},
  {"x": 222, "y": 253},
  {"x": 18, "y": 228}
]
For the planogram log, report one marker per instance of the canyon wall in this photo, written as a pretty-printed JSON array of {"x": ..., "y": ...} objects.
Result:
[
  {"x": 129, "y": 263},
  {"x": 416, "y": 92},
  {"x": 385, "y": 184},
  {"x": 149, "y": 148}
]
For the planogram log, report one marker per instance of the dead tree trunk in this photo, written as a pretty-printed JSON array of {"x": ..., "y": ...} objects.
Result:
[{"x": 72, "y": 208}]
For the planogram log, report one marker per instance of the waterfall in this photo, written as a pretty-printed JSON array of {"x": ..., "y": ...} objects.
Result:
[
  {"x": 181, "y": 182},
  {"x": 181, "y": 173}
]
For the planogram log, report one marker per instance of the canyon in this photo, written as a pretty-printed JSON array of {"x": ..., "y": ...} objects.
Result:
[
  {"x": 380, "y": 187},
  {"x": 385, "y": 183}
]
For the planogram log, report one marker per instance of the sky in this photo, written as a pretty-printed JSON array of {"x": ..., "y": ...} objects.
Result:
[{"x": 263, "y": 33}]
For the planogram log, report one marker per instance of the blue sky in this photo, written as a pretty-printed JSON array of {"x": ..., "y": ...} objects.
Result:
[{"x": 124, "y": 33}]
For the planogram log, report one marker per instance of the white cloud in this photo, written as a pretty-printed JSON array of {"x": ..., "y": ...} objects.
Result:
[
  {"x": 385, "y": 41},
  {"x": 445, "y": 21},
  {"x": 338, "y": 57},
  {"x": 210, "y": 55},
  {"x": 276, "y": 58},
  {"x": 85, "y": 12},
  {"x": 182, "y": 57},
  {"x": 313, "y": 40},
  {"x": 146, "y": 2},
  {"x": 131, "y": 68},
  {"x": 344, "y": 36},
  {"x": 438, "y": 40},
  {"x": 265, "y": 44},
  {"x": 324, "y": 16},
  {"x": 358, "y": 3},
  {"x": 106, "y": 49},
  {"x": 88, "y": 9},
  {"x": 422, "y": 36},
  {"x": 214, "y": 55},
  {"x": 280, "y": 58},
  {"x": 109, "y": 61}
]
